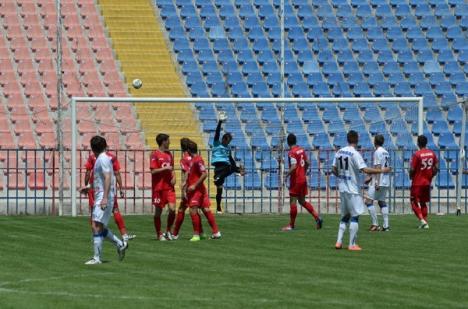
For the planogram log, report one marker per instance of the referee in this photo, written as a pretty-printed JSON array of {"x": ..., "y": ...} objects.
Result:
[{"x": 224, "y": 164}]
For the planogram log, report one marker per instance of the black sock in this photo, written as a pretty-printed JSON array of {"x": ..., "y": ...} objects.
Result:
[{"x": 219, "y": 196}]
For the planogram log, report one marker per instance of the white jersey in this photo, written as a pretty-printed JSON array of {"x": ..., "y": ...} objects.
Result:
[
  {"x": 103, "y": 165},
  {"x": 382, "y": 158},
  {"x": 349, "y": 163}
]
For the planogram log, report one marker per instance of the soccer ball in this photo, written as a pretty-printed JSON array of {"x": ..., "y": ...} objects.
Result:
[
  {"x": 222, "y": 116},
  {"x": 137, "y": 83}
]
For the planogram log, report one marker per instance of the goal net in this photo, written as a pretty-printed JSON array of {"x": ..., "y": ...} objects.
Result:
[{"x": 259, "y": 127}]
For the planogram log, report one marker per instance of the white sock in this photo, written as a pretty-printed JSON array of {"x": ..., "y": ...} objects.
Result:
[
  {"x": 97, "y": 243},
  {"x": 341, "y": 231},
  {"x": 384, "y": 210},
  {"x": 353, "y": 230},
  {"x": 114, "y": 239},
  {"x": 373, "y": 214}
]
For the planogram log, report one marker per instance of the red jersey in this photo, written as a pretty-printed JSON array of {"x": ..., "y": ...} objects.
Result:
[
  {"x": 423, "y": 162},
  {"x": 89, "y": 165},
  {"x": 185, "y": 162},
  {"x": 197, "y": 168},
  {"x": 298, "y": 156},
  {"x": 161, "y": 181}
]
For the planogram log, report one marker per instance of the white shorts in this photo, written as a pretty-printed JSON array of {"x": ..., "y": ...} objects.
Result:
[
  {"x": 103, "y": 215},
  {"x": 351, "y": 204},
  {"x": 377, "y": 195}
]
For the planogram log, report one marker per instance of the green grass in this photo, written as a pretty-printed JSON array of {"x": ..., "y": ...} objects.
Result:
[{"x": 254, "y": 265}]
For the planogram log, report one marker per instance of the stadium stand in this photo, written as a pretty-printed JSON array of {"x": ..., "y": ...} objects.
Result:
[
  {"x": 333, "y": 48},
  {"x": 141, "y": 49}
]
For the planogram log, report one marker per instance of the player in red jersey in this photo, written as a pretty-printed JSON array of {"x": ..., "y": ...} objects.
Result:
[
  {"x": 89, "y": 166},
  {"x": 162, "y": 182},
  {"x": 197, "y": 195},
  {"x": 298, "y": 165},
  {"x": 424, "y": 166}
]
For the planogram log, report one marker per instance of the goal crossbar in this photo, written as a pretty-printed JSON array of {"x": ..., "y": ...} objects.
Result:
[{"x": 77, "y": 100}]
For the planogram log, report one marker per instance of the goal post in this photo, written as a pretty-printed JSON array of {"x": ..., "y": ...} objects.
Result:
[
  {"x": 418, "y": 101},
  {"x": 461, "y": 161}
]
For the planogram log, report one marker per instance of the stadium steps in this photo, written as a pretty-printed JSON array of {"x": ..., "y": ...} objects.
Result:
[{"x": 141, "y": 48}]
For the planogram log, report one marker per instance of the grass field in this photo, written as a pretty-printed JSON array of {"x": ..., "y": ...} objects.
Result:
[{"x": 254, "y": 265}]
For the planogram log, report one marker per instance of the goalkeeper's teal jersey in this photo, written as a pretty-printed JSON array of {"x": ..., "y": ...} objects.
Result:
[{"x": 220, "y": 153}]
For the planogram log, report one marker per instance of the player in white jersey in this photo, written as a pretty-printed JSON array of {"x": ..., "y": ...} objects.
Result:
[
  {"x": 347, "y": 164},
  {"x": 104, "y": 194},
  {"x": 378, "y": 186}
]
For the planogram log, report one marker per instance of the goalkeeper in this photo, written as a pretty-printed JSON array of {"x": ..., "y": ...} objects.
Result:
[{"x": 224, "y": 164}]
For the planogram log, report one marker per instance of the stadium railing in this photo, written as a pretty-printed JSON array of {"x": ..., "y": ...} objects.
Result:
[{"x": 29, "y": 182}]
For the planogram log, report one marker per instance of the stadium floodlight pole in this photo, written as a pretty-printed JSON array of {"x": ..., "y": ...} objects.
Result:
[
  {"x": 281, "y": 162},
  {"x": 461, "y": 161},
  {"x": 58, "y": 42},
  {"x": 107, "y": 100}
]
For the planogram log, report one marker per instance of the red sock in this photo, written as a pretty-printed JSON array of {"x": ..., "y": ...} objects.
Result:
[
  {"x": 311, "y": 210},
  {"x": 212, "y": 221},
  {"x": 195, "y": 223},
  {"x": 292, "y": 215},
  {"x": 424, "y": 210},
  {"x": 170, "y": 220},
  {"x": 417, "y": 210},
  {"x": 157, "y": 225},
  {"x": 200, "y": 228},
  {"x": 178, "y": 222},
  {"x": 120, "y": 222}
]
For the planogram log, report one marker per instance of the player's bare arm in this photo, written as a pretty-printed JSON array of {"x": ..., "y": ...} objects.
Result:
[
  {"x": 173, "y": 179},
  {"x": 335, "y": 170},
  {"x": 411, "y": 173},
  {"x": 161, "y": 170},
  {"x": 198, "y": 183},
  {"x": 107, "y": 184},
  {"x": 291, "y": 170},
  {"x": 118, "y": 179},
  {"x": 435, "y": 169},
  {"x": 87, "y": 186},
  {"x": 377, "y": 179},
  {"x": 370, "y": 170}
]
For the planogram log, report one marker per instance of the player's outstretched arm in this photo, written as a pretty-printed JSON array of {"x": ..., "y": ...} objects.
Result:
[{"x": 217, "y": 132}]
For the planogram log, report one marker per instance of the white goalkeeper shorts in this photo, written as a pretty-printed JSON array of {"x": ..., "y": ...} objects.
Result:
[
  {"x": 377, "y": 195},
  {"x": 351, "y": 204}
]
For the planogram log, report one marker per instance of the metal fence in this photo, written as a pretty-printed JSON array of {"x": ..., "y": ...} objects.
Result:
[{"x": 29, "y": 182}]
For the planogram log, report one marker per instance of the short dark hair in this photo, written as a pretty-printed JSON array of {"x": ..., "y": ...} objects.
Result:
[
  {"x": 379, "y": 140},
  {"x": 192, "y": 147},
  {"x": 226, "y": 136},
  {"x": 161, "y": 138},
  {"x": 292, "y": 140},
  {"x": 352, "y": 137},
  {"x": 98, "y": 144},
  {"x": 184, "y": 143},
  {"x": 422, "y": 141}
]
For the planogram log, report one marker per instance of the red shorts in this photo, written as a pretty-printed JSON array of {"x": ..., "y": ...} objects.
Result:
[
  {"x": 162, "y": 198},
  {"x": 421, "y": 193},
  {"x": 298, "y": 190},
  {"x": 91, "y": 201},
  {"x": 198, "y": 199}
]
